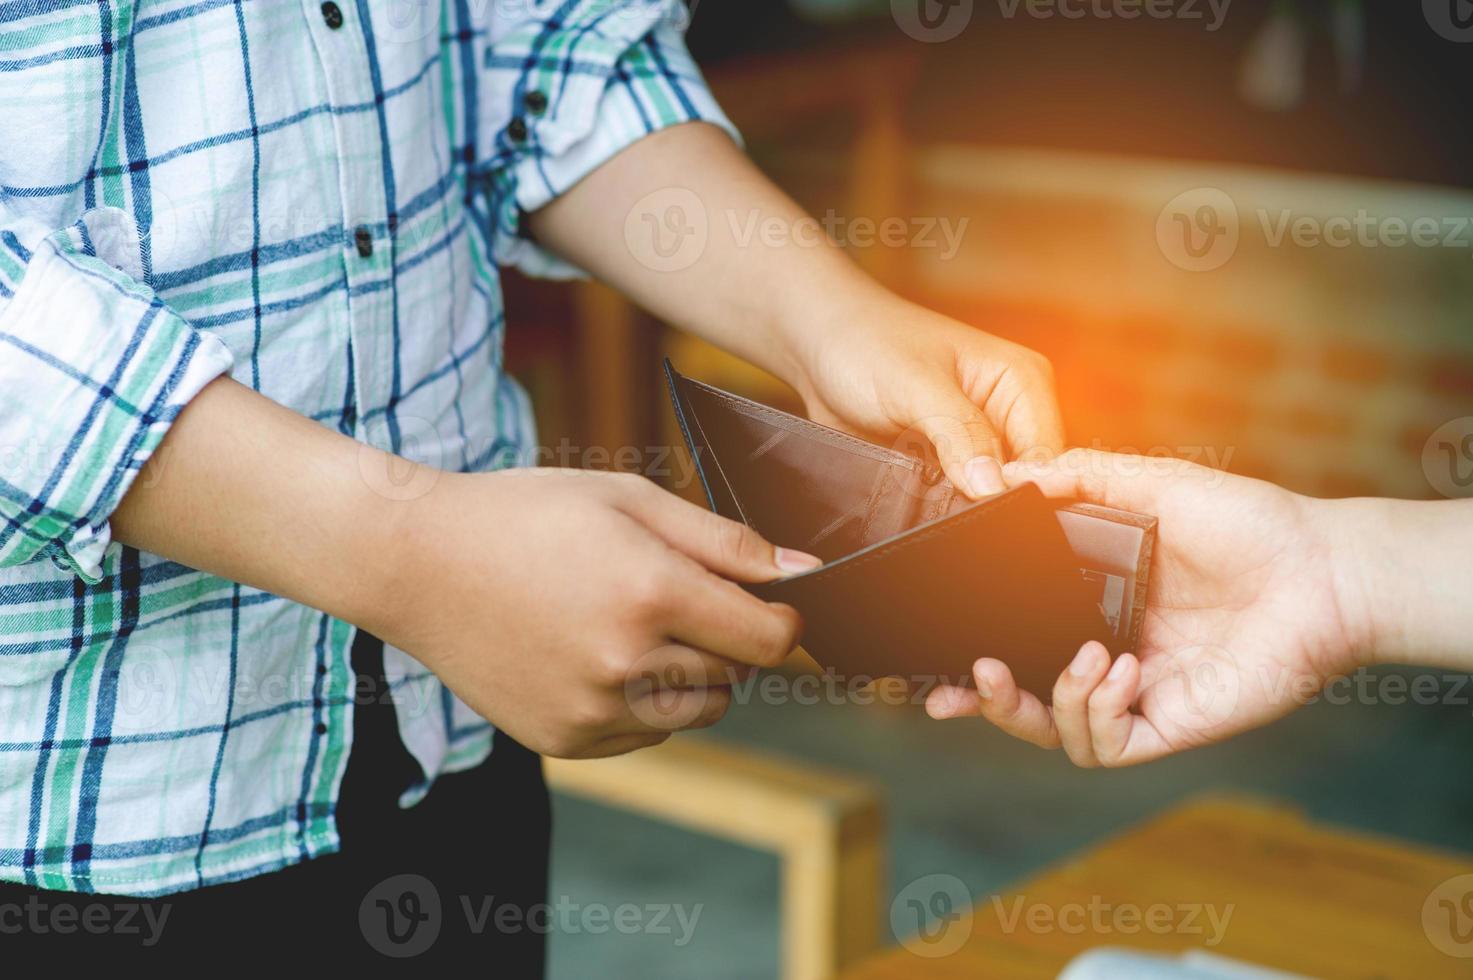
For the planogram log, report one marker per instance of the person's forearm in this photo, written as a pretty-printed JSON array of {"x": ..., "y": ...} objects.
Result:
[
  {"x": 765, "y": 283},
  {"x": 248, "y": 490},
  {"x": 1405, "y": 570}
]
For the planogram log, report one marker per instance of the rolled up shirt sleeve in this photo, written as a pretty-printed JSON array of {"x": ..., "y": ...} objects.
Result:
[
  {"x": 94, "y": 369},
  {"x": 581, "y": 90}
]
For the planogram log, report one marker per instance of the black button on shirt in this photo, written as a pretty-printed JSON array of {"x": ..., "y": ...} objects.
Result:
[
  {"x": 364, "y": 240},
  {"x": 333, "y": 14},
  {"x": 517, "y": 130},
  {"x": 536, "y": 102}
]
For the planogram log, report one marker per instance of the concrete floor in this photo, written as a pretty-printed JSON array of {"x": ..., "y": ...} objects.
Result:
[{"x": 969, "y": 802}]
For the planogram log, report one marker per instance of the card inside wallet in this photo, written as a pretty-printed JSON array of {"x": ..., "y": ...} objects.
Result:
[{"x": 810, "y": 487}]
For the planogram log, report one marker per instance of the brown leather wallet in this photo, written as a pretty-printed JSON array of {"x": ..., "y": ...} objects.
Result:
[{"x": 918, "y": 580}]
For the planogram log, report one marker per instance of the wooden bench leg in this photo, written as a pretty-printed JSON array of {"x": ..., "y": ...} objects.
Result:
[{"x": 828, "y": 829}]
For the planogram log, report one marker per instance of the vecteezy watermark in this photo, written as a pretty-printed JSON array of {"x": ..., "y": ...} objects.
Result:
[
  {"x": 932, "y": 916},
  {"x": 154, "y": 690},
  {"x": 1363, "y": 230},
  {"x": 593, "y": 918},
  {"x": 667, "y": 694},
  {"x": 934, "y": 21},
  {"x": 39, "y": 917},
  {"x": 1211, "y": 12},
  {"x": 666, "y": 230},
  {"x": 921, "y": 232},
  {"x": 415, "y": 465},
  {"x": 656, "y": 462},
  {"x": 667, "y": 697},
  {"x": 1198, "y": 229},
  {"x": 1451, "y": 19},
  {"x": 833, "y": 688},
  {"x": 1101, "y": 461},
  {"x": 1447, "y": 458},
  {"x": 1279, "y": 685},
  {"x": 1197, "y": 688},
  {"x": 1201, "y": 229},
  {"x": 1447, "y": 917},
  {"x": 412, "y": 21},
  {"x": 424, "y": 455},
  {"x": 403, "y": 916},
  {"x": 670, "y": 229},
  {"x": 1100, "y": 917}
]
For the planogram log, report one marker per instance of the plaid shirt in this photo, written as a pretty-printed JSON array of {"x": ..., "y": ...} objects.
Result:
[{"x": 314, "y": 198}]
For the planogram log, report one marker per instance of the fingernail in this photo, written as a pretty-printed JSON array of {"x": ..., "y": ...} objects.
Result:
[
  {"x": 1084, "y": 661},
  {"x": 984, "y": 476},
  {"x": 1117, "y": 669},
  {"x": 795, "y": 561},
  {"x": 984, "y": 690}
]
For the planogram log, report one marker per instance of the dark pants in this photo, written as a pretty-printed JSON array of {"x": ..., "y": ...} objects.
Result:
[{"x": 458, "y": 880}]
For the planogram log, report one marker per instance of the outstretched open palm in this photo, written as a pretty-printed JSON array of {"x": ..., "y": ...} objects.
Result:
[{"x": 1242, "y": 623}]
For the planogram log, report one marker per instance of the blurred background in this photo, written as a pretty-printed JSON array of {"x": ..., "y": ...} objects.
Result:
[{"x": 1242, "y": 232}]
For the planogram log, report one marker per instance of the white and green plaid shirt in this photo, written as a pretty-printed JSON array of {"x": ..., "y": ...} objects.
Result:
[{"x": 314, "y": 198}]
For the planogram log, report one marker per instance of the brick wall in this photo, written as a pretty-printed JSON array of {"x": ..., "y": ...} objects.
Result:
[{"x": 1321, "y": 361}]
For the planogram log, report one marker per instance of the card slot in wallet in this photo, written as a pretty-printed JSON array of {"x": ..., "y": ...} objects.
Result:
[{"x": 917, "y": 581}]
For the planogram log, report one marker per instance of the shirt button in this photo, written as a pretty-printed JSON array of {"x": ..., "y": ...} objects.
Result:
[
  {"x": 364, "y": 240},
  {"x": 536, "y": 102},
  {"x": 321, "y": 728},
  {"x": 517, "y": 130},
  {"x": 333, "y": 14}
]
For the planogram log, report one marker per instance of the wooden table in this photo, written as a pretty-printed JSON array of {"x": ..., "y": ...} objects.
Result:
[{"x": 1303, "y": 897}]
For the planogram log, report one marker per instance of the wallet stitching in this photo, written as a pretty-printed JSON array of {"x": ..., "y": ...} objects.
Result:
[
  {"x": 1142, "y": 584},
  {"x": 965, "y": 517},
  {"x": 873, "y": 507}
]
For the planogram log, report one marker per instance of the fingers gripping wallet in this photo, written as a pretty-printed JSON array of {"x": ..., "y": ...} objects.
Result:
[{"x": 918, "y": 580}]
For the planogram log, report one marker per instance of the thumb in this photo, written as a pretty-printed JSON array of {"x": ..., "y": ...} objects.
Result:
[
  {"x": 967, "y": 446},
  {"x": 726, "y": 547}
]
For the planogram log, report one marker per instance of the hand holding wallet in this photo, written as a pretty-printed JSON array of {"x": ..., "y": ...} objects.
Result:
[{"x": 918, "y": 580}]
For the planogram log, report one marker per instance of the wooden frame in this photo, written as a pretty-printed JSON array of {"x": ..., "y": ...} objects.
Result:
[{"x": 828, "y": 829}]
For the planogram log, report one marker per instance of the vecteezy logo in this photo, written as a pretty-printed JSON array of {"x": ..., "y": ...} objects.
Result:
[
  {"x": 1447, "y": 458},
  {"x": 165, "y": 223},
  {"x": 406, "y": 21},
  {"x": 932, "y": 916},
  {"x": 666, "y": 230},
  {"x": 1198, "y": 230},
  {"x": 400, "y": 916},
  {"x": 413, "y": 469},
  {"x": 147, "y": 691},
  {"x": 1447, "y": 916},
  {"x": 1197, "y": 688},
  {"x": 932, "y": 20},
  {"x": 661, "y": 693},
  {"x": 1451, "y": 19}
]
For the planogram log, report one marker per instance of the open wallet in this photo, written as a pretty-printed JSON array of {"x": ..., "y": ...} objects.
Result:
[{"x": 918, "y": 580}]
